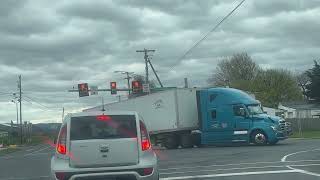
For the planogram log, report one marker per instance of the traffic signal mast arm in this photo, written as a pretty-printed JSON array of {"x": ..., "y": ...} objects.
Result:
[{"x": 122, "y": 89}]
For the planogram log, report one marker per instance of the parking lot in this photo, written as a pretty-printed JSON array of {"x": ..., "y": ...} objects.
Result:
[{"x": 293, "y": 159}]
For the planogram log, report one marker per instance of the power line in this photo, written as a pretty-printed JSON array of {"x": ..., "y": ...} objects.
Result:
[
  {"x": 33, "y": 100},
  {"x": 40, "y": 107},
  {"x": 213, "y": 29}
]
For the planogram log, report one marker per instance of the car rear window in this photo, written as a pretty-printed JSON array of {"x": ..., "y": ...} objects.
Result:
[{"x": 91, "y": 127}]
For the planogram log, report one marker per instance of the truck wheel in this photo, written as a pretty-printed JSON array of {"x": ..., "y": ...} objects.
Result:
[
  {"x": 259, "y": 138},
  {"x": 196, "y": 139},
  {"x": 171, "y": 142},
  {"x": 186, "y": 141}
]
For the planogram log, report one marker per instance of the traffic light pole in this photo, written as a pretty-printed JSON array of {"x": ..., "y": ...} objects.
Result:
[
  {"x": 128, "y": 81},
  {"x": 20, "y": 101}
]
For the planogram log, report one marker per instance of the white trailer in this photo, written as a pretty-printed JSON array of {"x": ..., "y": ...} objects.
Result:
[{"x": 170, "y": 115}]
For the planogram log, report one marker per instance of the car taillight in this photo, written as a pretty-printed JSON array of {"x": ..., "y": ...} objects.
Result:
[
  {"x": 145, "y": 141},
  {"x": 62, "y": 141},
  {"x": 61, "y": 148}
]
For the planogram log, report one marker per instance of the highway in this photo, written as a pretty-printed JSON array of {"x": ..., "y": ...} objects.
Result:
[{"x": 293, "y": 159}]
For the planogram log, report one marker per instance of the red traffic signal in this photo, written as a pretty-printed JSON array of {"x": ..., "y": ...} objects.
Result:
[
  {"x": 83, "y": 89},
  {"x": 113, "y": 87},
  {"x": 136, "y": 87}
]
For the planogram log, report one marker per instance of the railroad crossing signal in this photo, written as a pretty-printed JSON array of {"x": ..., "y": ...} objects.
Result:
[
  {"x": 136, "y": 87},
  {"x": 113, "y": 87},
  {"x": 83, "y": 89}
]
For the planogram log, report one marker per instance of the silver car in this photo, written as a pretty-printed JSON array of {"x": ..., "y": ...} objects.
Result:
[{"x": 104, "y": 145}]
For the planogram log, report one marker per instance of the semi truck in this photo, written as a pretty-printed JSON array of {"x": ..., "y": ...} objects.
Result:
[{"x": 191, "y": 116}]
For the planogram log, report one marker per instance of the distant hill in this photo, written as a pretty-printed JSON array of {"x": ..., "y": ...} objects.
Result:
[{"x": 46, "y": 128}]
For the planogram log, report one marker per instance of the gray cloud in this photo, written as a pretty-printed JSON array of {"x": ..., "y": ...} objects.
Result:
[{"x": 55, "y": 45}]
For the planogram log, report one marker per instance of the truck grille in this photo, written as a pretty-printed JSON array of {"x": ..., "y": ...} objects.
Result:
[
  {"x": 285, "y": 127},
  {"x": 282, "y": 125}
]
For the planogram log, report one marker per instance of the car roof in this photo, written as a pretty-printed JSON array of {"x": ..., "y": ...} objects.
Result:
[{"x": 96, "y": 113}]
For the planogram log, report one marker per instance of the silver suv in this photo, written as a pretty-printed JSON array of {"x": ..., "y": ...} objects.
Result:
[{"x": 104, "y": 145}]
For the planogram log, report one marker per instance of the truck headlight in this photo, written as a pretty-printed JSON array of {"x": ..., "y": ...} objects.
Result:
[{"x": 274, "y": 128}]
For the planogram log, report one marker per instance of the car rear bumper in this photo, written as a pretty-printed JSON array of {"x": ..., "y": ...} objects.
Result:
[
  {"x": 148, "y": 160},
  {"x": 120, "y": 175}
]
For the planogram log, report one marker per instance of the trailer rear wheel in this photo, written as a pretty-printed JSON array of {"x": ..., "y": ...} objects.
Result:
[
  {"x": 186, "y": 140},
  {"x": 171, "y": 142}
]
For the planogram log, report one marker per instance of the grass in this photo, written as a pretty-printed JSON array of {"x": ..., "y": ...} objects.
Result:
[{"x": 307, "y": 134}]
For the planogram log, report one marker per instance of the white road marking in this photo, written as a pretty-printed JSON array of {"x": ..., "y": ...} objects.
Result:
[
  {"x": 242, "y": 168},
  {"x": 301, "y": 171},
  {"x": 37, "y": 151},
  {"x": 232, "y": 174},
  {"x": 36, "y": 154},
  {"x": 286, "y": 156},
  {"x": 304, "y": 171},
  {"x": 238, "y": 164}
]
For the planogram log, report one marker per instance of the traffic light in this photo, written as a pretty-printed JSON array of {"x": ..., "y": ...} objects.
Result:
[
  {"x": 83, "y": 89},
  {"x": 113, "y": 87},
  {"x": 136, "y": 87}
]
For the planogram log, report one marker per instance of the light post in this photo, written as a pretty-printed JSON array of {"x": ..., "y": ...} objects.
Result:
[{"x": 127, "y": 78}]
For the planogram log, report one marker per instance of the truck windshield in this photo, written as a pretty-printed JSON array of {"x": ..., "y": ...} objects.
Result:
[{"x": 255, "y": 109}]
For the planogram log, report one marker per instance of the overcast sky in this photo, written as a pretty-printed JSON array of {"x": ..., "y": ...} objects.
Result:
[{"x": 55, "y": 45}]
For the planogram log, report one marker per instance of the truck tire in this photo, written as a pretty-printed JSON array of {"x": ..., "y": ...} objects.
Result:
[
  {"x": 196, "y": 139},
  {"x": 171, "y": 142},
  {"x": 259, "y": 138},
  {"x": 186, "y": 140}
]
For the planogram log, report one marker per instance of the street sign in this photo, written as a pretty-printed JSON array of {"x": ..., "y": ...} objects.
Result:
[
  {"x": 94, "y": 90},
  {"x": 146, "y": 88}
]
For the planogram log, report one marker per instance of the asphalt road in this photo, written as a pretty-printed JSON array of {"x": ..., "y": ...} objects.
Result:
[{"x": 289, "y": 160}]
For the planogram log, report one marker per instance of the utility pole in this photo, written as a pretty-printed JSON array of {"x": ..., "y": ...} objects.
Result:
[
  {"x": 20, "y": 101},
  {"x": 146, "y": 59}
]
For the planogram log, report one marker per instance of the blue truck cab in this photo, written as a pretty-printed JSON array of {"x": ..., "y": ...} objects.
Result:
[{"x": 229, "y": 115}]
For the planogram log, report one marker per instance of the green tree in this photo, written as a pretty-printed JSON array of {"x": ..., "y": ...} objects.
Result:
[
  {"x": 303, "y": 80},
  {"x": 313, "y": 88},
  {"x": 237, "y": 71},
  {"x": 273, "y": 86}
]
